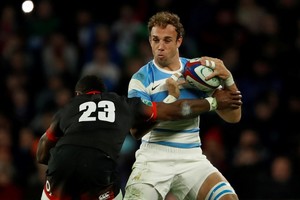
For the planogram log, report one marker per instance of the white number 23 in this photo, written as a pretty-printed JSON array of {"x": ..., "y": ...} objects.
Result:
[{"x": 90, "y": 107}]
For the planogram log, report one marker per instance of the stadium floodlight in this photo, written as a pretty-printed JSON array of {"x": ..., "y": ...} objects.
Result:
[{"x": 27, "y": 6}]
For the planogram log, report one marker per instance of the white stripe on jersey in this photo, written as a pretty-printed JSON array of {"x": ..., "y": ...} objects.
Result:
[{"x": 137, "y": 84}]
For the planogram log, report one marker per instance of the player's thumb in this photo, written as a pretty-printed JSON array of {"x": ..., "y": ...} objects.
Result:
[{"x": 210, "y": 76}]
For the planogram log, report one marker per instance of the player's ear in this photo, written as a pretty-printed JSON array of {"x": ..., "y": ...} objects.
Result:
[
  {"x": 78, "y": 93},
  {"x": 179, "y": 41}
]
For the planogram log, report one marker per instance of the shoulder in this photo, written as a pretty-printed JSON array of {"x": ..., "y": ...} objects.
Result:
[
  {"x": 119, "y": 98},
  {"x": 144, "y": 75},
  {"x": 144, "y": 70},
  {"x": 111, "y": 96},
  {"x": 184, "y": 60},
  {"x": 133, "y": 102}
]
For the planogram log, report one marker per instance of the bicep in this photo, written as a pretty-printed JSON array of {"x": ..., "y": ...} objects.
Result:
[
  {"x": 142, "y": 128},
  {"x": 145, "y": 119}
]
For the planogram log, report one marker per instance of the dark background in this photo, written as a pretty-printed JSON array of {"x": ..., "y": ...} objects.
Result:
[{"x": 259, "y": 42}]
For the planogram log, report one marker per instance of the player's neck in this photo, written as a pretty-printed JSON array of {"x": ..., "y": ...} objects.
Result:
[{"x": 172, "y": 66}]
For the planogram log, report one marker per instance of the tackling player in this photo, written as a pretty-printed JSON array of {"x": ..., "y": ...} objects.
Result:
[{"x": 82, "y": 144}]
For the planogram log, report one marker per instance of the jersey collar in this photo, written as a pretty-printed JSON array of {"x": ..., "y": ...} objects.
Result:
[{"x": 93, "y": 92}]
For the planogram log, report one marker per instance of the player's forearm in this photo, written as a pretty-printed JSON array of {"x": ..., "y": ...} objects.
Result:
[
  {"x": 141, "y": 129},
  {"x": 182, "y": 109},
  {"x": 193, "y": 108},
  {"x": 230, "y": 115},
  {"x": 227, "y": 102},
  {"x": 232, "y": 87},
  {"x": 43, "y": 150}
]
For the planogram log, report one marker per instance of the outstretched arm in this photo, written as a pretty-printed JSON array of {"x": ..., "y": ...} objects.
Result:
[
  {"x": 185, "y": 109},
  {"x": 190, "y": 108}
]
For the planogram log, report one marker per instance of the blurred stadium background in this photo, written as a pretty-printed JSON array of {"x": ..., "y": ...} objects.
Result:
[{"x": 45, "y": 51}]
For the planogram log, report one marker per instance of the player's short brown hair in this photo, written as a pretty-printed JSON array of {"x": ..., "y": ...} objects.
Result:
[{"x": 164, "y": 18}]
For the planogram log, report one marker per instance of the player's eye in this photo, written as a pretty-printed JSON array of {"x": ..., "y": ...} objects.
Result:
[
  {"x": 168, "y": 40},
  {"x": 155, "y": 40}
]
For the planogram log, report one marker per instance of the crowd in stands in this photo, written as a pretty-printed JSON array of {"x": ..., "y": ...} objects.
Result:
[{"x": 45, "y": 52}]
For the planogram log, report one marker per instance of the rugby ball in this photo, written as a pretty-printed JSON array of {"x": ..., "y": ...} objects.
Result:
[{"x": 195, "y": 73}]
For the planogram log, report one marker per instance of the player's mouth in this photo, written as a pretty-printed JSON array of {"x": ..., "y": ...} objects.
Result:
[{"x": 160, "y": 56}]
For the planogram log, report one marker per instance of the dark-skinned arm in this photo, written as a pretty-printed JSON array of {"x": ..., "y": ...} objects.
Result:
[
  {"x": 46, "y": 142},
  {"x": 186, "y": 109},
  {"x": 231, "y": 115},
  {"x": 143, "y": 127}
]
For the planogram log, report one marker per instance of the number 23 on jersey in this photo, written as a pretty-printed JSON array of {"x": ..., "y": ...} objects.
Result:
[{"x": 107, "y": 112}]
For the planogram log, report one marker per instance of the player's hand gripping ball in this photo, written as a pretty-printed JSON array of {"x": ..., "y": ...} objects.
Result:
[{"x": 195, "y": 73}]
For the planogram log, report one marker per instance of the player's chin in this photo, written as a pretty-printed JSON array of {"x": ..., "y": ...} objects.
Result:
[
  {"x": 161, "y": 57},
  {"x": 162, "y": 61}
]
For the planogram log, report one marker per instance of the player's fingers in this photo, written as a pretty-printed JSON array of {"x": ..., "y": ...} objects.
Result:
[
  {"x": 210, "y": 64},
  {"x": 213, "y": 74},
  {"x": 178, "y": 74},
  {"x": 204, "y": 62},
  {"x": 237, "y": 92},
  {"x": 236, "y": 102},
  {"x": 237, "y": 99},
  {"x": 207, "y": 58},
  {"x": 170, "y": 81},
  {"x": 181, "y": 82},
  {"x": 175, "y": 76},
  {"x": 236, "y": 95}
]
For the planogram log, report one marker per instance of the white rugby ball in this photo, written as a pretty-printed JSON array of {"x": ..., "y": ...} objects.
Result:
[{"x": 195, "y": 73}]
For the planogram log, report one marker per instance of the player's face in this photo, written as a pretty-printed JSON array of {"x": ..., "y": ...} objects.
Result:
[{"x": 164, "y": 44}]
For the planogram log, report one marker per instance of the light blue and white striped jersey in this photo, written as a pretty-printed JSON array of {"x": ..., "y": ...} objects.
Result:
[{"x": 149, "y": 83}]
